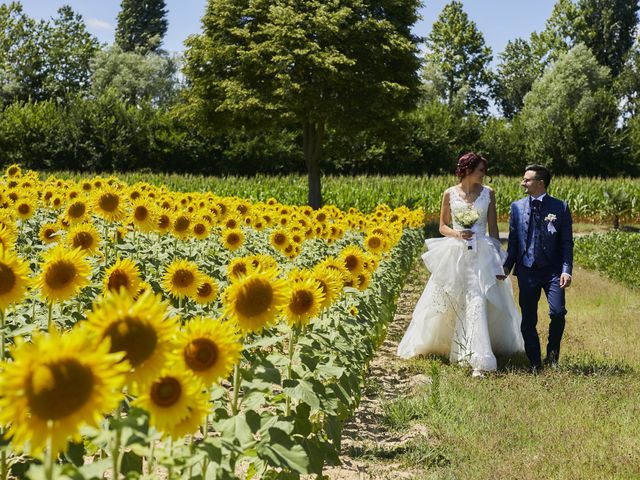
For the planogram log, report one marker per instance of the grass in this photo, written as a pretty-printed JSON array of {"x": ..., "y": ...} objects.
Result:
[{"x": 579, "y": 421}]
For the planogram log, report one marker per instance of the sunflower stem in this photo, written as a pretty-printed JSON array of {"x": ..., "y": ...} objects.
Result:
[
  {"x": 293, "y": 338},
  {"x": 106, "y": 244},
  {"x": 50, "y": 317},
  {"x": 150, "y": 462},
  {"x": 170, "y": 467},
  {"x": 236, "y": 389},
  {"x": 115, "y": 452},
  {"x": 48, "y": 469}
]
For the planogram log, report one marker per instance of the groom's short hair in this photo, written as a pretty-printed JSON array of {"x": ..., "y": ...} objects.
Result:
[{"x": 542, "y": 173}]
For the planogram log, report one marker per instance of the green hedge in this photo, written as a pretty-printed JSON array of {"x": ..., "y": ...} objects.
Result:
[{"x": 616, "y": 254}]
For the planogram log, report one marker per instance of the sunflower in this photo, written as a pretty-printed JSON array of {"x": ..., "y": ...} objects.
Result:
[
  {"x": 164, "y": 221},
  {"x": 353, "y": 259},
  {"x": 173, "y": 397},
  {"x": 279, "y": 238},
  {"x": 49, "y": 233},
  {"x": 108, "y": 203},
  {"x": 239, "y": 267},
  {"x": 76, "y": 211},
  {"x": 182, "y": 279},
  {"x": 200, "y": 229},
  {"x": 64, "y": 272},
  {"x": 330, "y": 281},
  {"x": 232, "y": 239},
  {"x": 84, "y": 236},
  {"x": 353, "y": 311},
  {"x": 143, "y": 216},
  {"x": 8, "y": 237},
  {"x": 14, "y": 278},
  {"x": 25, "y": 208},
  {"x": 140, "y": 328},
  {"x": 337, "y": 266},
  {"x": 363, "y": 280},
  {"x": 13, "y": 171},
  {"x": 55, "y": 385},
  {"x": 375, "y": 243},
  {"x": 209, "y": 349},
  {"x": 124, "y": 274},
  {"x": 262, "y": 261},
  {"x": 207, "y": 290},
  {"x": 303, "y": 303},
  {"x": 254, "y": 300},
  {"x": 181, "y": 226}
]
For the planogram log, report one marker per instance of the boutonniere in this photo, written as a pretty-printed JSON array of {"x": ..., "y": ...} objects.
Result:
[{"x": 550, "y": 219}]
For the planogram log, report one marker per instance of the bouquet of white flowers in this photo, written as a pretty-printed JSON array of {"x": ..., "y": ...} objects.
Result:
[{"x": 467, "y": 218}]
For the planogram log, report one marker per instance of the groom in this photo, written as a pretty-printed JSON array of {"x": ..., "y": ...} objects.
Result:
[{"x": 541, "y": 248}]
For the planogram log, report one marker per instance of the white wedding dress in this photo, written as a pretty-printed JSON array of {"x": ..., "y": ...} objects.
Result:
[{"x": 464, "y": 311}]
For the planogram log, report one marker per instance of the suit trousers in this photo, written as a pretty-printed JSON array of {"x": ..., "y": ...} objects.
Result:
[{"x": 531, "y": 282}]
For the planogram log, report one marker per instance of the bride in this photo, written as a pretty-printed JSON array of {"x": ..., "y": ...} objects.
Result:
[{"x": 467, "y": 310}]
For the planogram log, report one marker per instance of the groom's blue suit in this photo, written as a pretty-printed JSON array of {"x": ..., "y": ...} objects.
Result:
[{"x": 541, "y": 249}]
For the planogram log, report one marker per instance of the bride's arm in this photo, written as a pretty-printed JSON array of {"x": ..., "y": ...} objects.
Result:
[
  {"x": 492, "y": 217},
  {"x": 445, "y": 219}
]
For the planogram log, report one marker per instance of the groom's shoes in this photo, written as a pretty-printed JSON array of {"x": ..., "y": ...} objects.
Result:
[
  {"x": 551, "y": 360},
  {"x": 536, "y": 369}
]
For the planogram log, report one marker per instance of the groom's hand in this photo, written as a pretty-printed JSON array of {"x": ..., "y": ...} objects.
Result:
[{"x": 565, "y": 280}]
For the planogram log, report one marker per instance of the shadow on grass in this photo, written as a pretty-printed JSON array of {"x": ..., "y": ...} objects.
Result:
[
  {"x": 418, "y": 451},
  {"x": 591, "y": 365}
]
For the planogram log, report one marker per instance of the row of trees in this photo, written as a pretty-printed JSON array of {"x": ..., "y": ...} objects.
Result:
[{"x": 341, "y": 86}]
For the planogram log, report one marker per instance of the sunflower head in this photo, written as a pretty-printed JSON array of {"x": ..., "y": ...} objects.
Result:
[
  {"x": 141, "y": 328},
  {"x": 207, "y": 290},
  {"x": 124, "y": 274},
  {"x": 353, "y": 259},
  {"x": 76, "y": 211},
  {"x": 14, "y": 278},
  {"x": 182, "y": 279},
  {"x": 84, "y": 236},
  {"x": 13, "y": 171},
  {"x": 49, "y": 233},
  {"x": 55, "y": 385},
  {"x": 144, "y": 216},
  {"x": 175, "y": 402},
  {"x": 239, "y": 267},
  {"x": 209, "y": 348},
  {"x": 232, "y": 239},
  {"x": 63, "y": 273},
  {"x": 253, "y": 301},
  {"x": 181, "y": 225},
  {"x": 304, "y": 302},
  {"x": 108, "y": 202}
]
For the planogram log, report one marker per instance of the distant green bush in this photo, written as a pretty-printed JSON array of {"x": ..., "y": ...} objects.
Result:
[{"x": 616, "y": 254}]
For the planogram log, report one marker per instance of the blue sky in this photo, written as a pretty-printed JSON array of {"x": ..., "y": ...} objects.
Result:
[{"x": 499, "y": 20}]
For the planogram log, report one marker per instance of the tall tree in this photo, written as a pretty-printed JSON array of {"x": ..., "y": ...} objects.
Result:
[
  {"x": 21, "y": 56},
  {"x": 628, "y": 83},
  {"x": 607, "y": 27},
  {"x": 570, "y": 116},
  {"x": 69, "y": 49},
  {"x": 142, "y": 25},
  {"x": 519, "y": 67},
  {"x": 345, "y": 65},
  {"x": 134, "y": 77},
  {"x": 456, "y": 48}
]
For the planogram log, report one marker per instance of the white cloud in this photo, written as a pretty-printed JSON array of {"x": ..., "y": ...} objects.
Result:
[{"x": 99, "y": 24}]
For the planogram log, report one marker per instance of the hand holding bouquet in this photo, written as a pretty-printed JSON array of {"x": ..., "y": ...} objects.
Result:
[{"x": 467, "y": 218}]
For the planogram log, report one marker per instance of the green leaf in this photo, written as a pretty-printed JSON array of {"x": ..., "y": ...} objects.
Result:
[
  {"x": 279, "y": 450},
  {"x": 302, "y": 391}
]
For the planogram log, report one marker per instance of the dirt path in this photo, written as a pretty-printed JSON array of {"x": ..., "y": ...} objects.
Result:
[{"x": 368, "y": 447}]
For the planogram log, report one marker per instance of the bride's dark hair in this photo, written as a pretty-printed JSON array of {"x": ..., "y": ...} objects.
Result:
[{"x": 468, "y": 162}]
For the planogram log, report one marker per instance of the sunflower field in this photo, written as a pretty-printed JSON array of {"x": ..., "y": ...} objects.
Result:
[{"x": 152, "y": 333}]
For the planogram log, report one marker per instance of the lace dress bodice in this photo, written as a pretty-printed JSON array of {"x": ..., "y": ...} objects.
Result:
[{"x": 481, "y": 204}]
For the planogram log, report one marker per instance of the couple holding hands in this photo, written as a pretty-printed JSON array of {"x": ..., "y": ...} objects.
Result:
[{"x": 467, "y": 310}]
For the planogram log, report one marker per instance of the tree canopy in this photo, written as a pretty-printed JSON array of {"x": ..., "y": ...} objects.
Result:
[
  {"x": 142, "y": 25},
  {"x": 316, "y": 64}
]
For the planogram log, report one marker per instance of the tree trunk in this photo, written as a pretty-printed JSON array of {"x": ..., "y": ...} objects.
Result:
[{"x": 312, "y": 138}]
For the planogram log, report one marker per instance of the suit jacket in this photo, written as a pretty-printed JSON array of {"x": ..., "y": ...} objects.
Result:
[{"x": 556, "y": 248}]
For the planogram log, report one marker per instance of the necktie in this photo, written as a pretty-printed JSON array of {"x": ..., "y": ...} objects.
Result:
[{"x": 534, "y": 220}]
